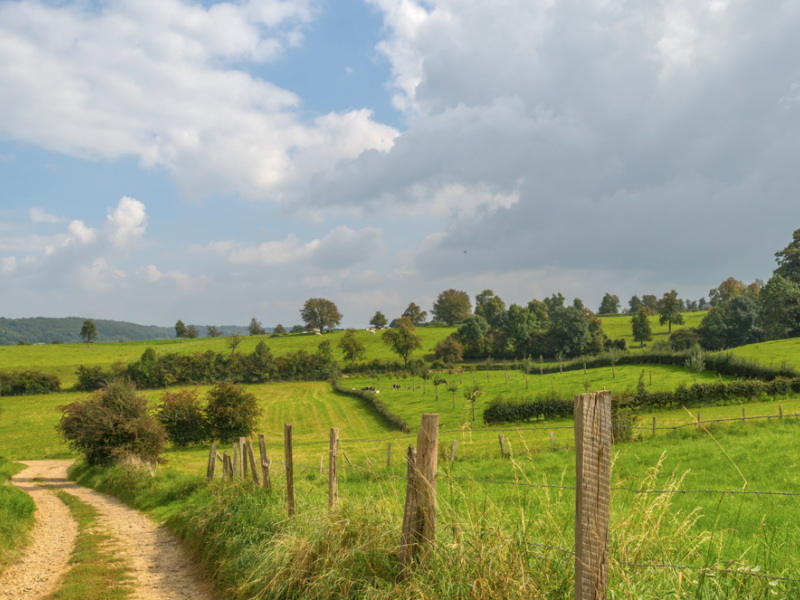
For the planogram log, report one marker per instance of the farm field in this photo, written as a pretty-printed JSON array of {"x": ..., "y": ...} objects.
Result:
[
  {"x": 772, "y": 352},
  {"x": 64, "y": 359},
  {"x": 617, "y": 327}
]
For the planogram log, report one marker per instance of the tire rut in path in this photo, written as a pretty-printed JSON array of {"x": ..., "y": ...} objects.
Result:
[{"x": 162, "y": 569}]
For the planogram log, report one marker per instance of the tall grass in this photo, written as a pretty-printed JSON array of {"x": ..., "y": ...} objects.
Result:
[{"x": 16, "y": 515}]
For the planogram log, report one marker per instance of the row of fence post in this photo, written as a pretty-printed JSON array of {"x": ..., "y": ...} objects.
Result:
[{"x": 593, "y": 486}]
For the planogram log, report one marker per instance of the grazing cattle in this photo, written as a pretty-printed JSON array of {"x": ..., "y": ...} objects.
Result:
[
  {"x": 395, "y": 386},
  {"x": 439, "y": 382},
  {"x": 368, "y": 389}
]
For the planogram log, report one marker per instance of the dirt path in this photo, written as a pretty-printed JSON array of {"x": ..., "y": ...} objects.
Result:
[
  {"x": 162, "y": 570},
  {"x": 36, "y": 573}
]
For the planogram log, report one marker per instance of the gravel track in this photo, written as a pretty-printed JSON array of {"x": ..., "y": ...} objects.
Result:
[{"x": 162, "y": 569}]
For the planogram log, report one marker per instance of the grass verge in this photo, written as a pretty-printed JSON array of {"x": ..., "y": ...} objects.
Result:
[
  {"x": 94, "y": 573},
  {"x": 16, "y": 515}
]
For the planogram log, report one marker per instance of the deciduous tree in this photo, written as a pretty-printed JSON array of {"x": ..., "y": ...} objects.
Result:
[
  {"x": 192, "y": 332},
  {"x": 89, "y": 332},
  {"x": 279, "y": 329},
  {"x": 255, "y": 327},
  {"x": 788, "y": 259},
  {"x": 180, "y": 330},
  {"x": 379, "y": 320},
  {"x": 780, "y": 308},
  {"x": 650, "y": 302},
  {"x": 669, "y": 310},
  {"x": 320, "y": 313},
  {"x": 233, "y": 342},
  {"x": 634, "y": 305},
  {"x": 452, "y": 306},
  {"x": 350, "y": 346},
  {"x": 416, "y": 314},
  {"x": 403, "y": 339},
  {"x": 213, "y": 331},
  {"x": 640, "y": 324},
  {"x": 609, "y": 305}
]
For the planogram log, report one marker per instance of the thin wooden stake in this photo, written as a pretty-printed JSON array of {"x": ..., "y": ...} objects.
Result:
[
  {"x": 593, "y": 489},
  {"x": 389, "y": 455},
  {"x": 262, "y": 450},
  {"x": 212, "y": 462},
  {"x": 287, "y": 444},
  {"x": 235, "y": 473},
  {"x": 698, "y": 418},
  {"x": 744, "y": 414},
  {"x": 427, "y": 466},
  {"x": 321, "y": 463},
  {"x": 552, "y": 442},
  {"x": 502, "y": 439},
  {"x": 654, "y": 425},
  {"x": 409, "y": 538},
  {"x": 225, "y": 460},
  {"x": 780, "y": 410},
  {"x": 453, "y": 451},
  {"x": 243, "y": 456},
  {"x": 333, "y": 469},
  {"x": 349, "y": 462},
  {"x": 252, "y": 456},
  {"x": 584, "y": 367}
]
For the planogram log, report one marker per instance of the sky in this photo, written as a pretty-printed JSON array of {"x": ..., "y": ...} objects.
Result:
[{"x": 215, "y": 161}]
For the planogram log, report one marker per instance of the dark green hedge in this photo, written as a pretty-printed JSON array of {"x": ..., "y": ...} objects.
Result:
[
  {"x": 372, "y": 399},
  {"x": 26, "y": 383},
  {"x": 507, "y": 409}
]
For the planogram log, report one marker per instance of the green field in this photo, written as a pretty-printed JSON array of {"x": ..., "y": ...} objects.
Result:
[
  {"x": 773, "y": 352},
  {"x": 617, "y": 327}
]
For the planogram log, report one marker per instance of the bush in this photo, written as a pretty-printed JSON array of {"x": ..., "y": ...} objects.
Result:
[
  {"x": 449, "y": 350},
  {"x": 550, "y": 405},
  {"x": 90, "y": 379},
  {"x": 232, "y": 412},
  {"x": 112, "y": 424},
  {"x": 182, "y": 417},
  {"x": 25, "y": 383},
  {"x": 623, "y": 419},
  {"x": 683, "y": 339},
  {"x": 372, "y": 399}
]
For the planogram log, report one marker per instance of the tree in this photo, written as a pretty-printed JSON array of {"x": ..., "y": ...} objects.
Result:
[
  {"x": 540, "y": 312},
  {"x": 730, "y": 288},
  {"x": 696, "y": 362},
  {"x": 578, "y": 303},
  {"x": 192, "y": 332},
  {"x": 780, "y": 308},
  {"x": 298, "y": 329},
  {"x": 669, "y": 310},
  {"x": 609, "y": 305},
  {"x": 379, "y": 320},
  {"x": 788, "y": 259},
  {"x": 452, "y": 306},
  {"x": 320, "y": 313},
  {"x": 452, "y": 387},
  {"x": 734, "y": 323},
  {"x": 640, "y": 324},
  {"x": 279, "y": 329},
  {"x": 231, "y": 412},
  {"x": 449, "y": 350},
  {"x": 519, "y": 325},
  {"x": 554, "y": 301},
  {"x": 490, "y": 307},
  {"x": 650, "y": 302},
  {"x": 89, "y": 332},
  {"x": 350, "y": 346},
  {"x": 634, "y": 305},
  {"x": 416, "y": 314},
  {"x": 569, "y": 330},
  {"x": 233, "y": 342},
  {"x": 255, "y": 327},
  {"x": 213, "y": 331},
  {"x": 403, "y": 339},
  {"x": 180, "y": 330}
]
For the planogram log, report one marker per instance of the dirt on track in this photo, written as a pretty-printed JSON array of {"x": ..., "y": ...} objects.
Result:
[{"x": 161, "y": 568}]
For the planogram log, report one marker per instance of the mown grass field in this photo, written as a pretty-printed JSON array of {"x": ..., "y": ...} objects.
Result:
[
  {"x": 617, "y": 327},
  {"x": 64, "y": 359},
  {"x": 773, "y": 352}
]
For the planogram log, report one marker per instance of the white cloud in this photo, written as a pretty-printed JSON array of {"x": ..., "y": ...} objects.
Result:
[
  {"x": 127, "y": 222},
  {"x": 79, "y": 231},
  {"x": 100, "y": 277},
  {"x": 8, "y": 264},
  {"x": 183, "y": 280},
  {"x": 340, "y": 248},
  {"x": 154, "y": 79},
  {"x": 40, "y": 215}
]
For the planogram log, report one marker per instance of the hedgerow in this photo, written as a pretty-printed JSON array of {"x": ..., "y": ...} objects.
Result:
[
  {"x": 372, "y": 399},
  {"x": 26, "y": 383}
]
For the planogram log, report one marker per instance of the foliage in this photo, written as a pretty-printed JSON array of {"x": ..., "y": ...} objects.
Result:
[
  {"x": 609, "y": 305},
  {"x": 669, "y": 310},
  {"x": 650, "y": 302},
  {"x": 490, "y": 307},
  {"x": 233, "y": 342},
  {"x": 192, "y": 332},
  {"x": 623, "y": 418},
  {"x": 183, "y": 418},
  {"x": 416, "y": 314},
  {"x": 788, "y": 259},
  {"x": 213, "y": 331},
  {"x": 449, "y": 350},
  {"x": 472, "y": 331},
  {"x": 452, "y": 306},
  {"x": 320, "y": 313},
  {"x": 90, "y": 378},
  {"x": 695, "y": 362},
  {"x": 378, "y": 320},
  {"x": 255, "y": 327},
  {"x": 279, "y": 329},
  {"x": 519, "y": 325},
  {"x": 732, "y": 323},
  {"x": 569, "y": 331},
  {"x": 16, "y": 514},
  {"x": 683, "y": 339},
  {"x": 578, "y": 303},
  {"x": 403, "y": 339},
  {"x": 27, "y": 383},
  {"x": 780, "y": 308},
  {"x": 733, "y": 288},
  {"x": 540, "y": 312},
  {"x": 640, "y": 324},
  {"x": 634, "y": 305},
  {"x": 111, "y": 424},
  {"x": 231, "y": 412},
  {"x": 351, "y": 347},
  {"x": 372, "y": 399},
  {"x": 180, "y": 330},
  {"x": 88, "y": 331},
  {"x": 508, "y": 409}
]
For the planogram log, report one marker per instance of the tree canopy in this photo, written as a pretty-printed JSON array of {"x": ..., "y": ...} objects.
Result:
[
  {"x": 320, "y": 313},
  {"x": 379, "y": 320},
  {"x": 88, "y": 332},
  {"x": 669, "y": 310},
  {"x": 788, "y": 259},
  {"x": 351, "y": 347},
  {"x": 452, "y": 306},
  {"x": 640, "y": 323},
  {"x": 634, "y": 305},
  {"x": 609, "y": 305},
  {"x": 416, "y": 314},
  {"x": 403, "y": 339},
  {"x": 180, "y": 330},
  {"x": 255, "y": 327}
]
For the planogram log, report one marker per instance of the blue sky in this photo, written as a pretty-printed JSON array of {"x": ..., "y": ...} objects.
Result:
[{"x": 217, "y": 161}]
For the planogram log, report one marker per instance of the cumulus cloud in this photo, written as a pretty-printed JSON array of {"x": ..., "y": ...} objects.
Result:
[
  {"x": 80, "y": 232},
  {"x": 183, "y": 280},
  {"x": 340, "y": 248},
  {"x": 40, "y": 215},
  {"x": 127, "y": 222},
  {"x": 161, "y": 80}
]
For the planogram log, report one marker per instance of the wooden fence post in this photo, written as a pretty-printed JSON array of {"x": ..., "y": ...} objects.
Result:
[
  {"x": 333, "y": 473},
  {"x": 287, "y": 444},
  {"x": 235, "y": 461},
  {"x": 698, "y": 419},
  {"x": 744, "y": 414},
  {"x": 349, "y": 462},
  {"x": 410, "y": 534},
  {"x": 552, "y": 442},
  {"x": 453, "y": 451},
  {"x": 654, "y": 425},
  {"x": 262, "y": 450},
  {"x": 243, "y": 456},
  {"x": 780, "y": 410},
  {"x": 502, "y": 439},
  {"x": 593, "y": 489},
  {"x": 389, "y": 455},
  {"x": 225, "y": 460},
  {"x": 252, "y": 456},
  {"x": 212, "y": 462}
]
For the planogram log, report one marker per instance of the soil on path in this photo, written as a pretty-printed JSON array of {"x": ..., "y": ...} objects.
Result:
[{"x": 162, "y": 569}]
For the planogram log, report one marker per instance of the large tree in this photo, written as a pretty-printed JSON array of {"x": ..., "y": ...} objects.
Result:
[
  {"x": 554, "y": 301},
  {"x": 490, "y": 307},
  {"x": 416, "y": 314},
  {"x": 569, "y": 330},
  {"x": 734, "y": 323},
  {"x": 650, "y": 302},
  {"x": 255, "y": 327},
  {"x": 350, "y": 346},
  {"x": 788, "y": 259},
  {"x": 192, "y": 332},
  {"x": 213, "y": 331},
  {"x": 320, "y": 313},
  {"x": 634, "y": 305},
  {"x": 780, "y": 308},
  {"x": 88, "y": 332},
  {"x": 609, "y": 305},
  {"x": 733, "y": 288},
  {"x": 379, "y": 320},
  {"x": 669, "y": 310},
  {"x": 452, "y": 306},
  {"x": 640, "y": 323},
  {"x": 403, "y": 339},
  {"x": 472, "y": 332},
  {"x": 180, "y": 330},
  {"x": 519, "y": 325}
]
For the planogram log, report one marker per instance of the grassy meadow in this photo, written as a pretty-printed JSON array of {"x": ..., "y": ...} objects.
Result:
[{"x": 619, "y": 326}]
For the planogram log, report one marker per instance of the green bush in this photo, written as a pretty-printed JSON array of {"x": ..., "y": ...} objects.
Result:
[
  {"x": 91, "y": 379},
  {"x": 232, "y": 412},
  {"x": 508, "y": 409},
  {"x": 112, "y": 424},
  {"x": 372, "y": 399},
  {"x": 25, "y": 383},
  {"x": 182, "y": 417}
]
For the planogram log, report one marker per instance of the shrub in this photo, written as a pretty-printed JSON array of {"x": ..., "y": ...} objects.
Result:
[
  {"x": 683, "y": 339},
  {"x": 113, "y": 423},
  {"x": 506, "y": 409},
  {"x": 24, "y": 383},
  {"x": 90, "y": 379},
  {"x": 182, "y": 417},
  {"x": 449, "y": 350},
  {"x": 231, "y": 412}
]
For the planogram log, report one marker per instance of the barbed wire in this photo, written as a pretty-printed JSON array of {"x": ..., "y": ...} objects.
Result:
[
  {"x": 712, "y": 569},
  {"x": 368, "y": 472},
  {"x": 503, "y": 482},
  {"x": 731, "y": 492}
]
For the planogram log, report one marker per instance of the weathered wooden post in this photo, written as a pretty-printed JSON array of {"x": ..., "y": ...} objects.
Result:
[
  {"x": 333, "y": 472},
  {"x": 453, "y": 451},
  {"x": 252, "y": 456},
  {"x": 744, "y": 414},
  {"x": 262, "y": 450},
  {"x": 212, "y": 462},
  {"x": 502, "y": 439},
  {"x": 243, "y": 456},
  {"x": 389, "y": 455},
  {"x": 780, "y": 410},
  {"x": 225, "y": 461},
  {"x": 409, "y": 538},
  {"x": 349, "y": 462},
  {"x": 287, "y": 444},
  {"x": 552, "y": 443},
  {"x": 235, "y": 461},
  {"x": 698, "y": 419},
  {"x": 654, "y": 425},
  {"x": 593, "y": 489}
]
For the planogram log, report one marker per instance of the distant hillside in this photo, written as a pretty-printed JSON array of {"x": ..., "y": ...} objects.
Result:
[{"x": 44, "y": 330}]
